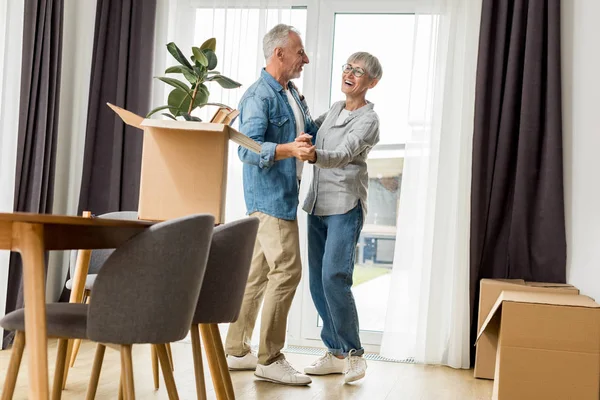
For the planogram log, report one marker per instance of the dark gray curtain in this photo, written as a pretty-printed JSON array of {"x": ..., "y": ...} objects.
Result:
[
  {"x": 38, "y": 122},
  {"x": 122, "y": 75},
  {"x": 517, "y": 205}
]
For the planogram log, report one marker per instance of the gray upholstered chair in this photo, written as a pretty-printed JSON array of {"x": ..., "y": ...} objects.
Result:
[
  {"x": 97, "y": 259},
  {"x": 220, "y": 300},
  {"x": 146, "y": 292}
]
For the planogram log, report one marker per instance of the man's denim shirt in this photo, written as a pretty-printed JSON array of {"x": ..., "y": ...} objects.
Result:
[{"x": 270, "y": 186}]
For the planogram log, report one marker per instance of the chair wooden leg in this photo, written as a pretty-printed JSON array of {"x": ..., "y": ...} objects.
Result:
[
  {"x": 68, "y": 357},
  {"x": 216, "y": 361},
  {"x": 95, "y": 376},
  {"x": 161, "y": 350},
  {"x": 76, "y": 345},
  {"x": 198, "y": 367},
  {"x": 13, "y": 368},
  {"x": 154, "y": 366},
  {"x": 121, "y": 387},
  {"x": 77, "y": 342},
  {"x": 59, "y": 370},
  {"x": 170, "y": 354},
  {"x": 127, "y": 372}
]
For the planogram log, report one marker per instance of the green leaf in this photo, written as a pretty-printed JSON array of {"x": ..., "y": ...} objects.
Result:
[
  {"x": 179, "y": 102},
  {"x": 225, "y": 82},
  {"x": 215, "y": 104},
  {"x": 210, "y": 44},
  {"x": 200, "y": 72},
  {"x": 178, "y": 55},
  {"x": 176, "y": 84},
  {"x": 157, "y": 109},
  {"x": 201, "y": 96},
  {"x": 199, "y": 56},
  {"x": 170, "y": 116},
  {"x": 180, "y": 69},
  {"x": 213, "y": 73},
  {"x": 189, "y": 117},
  {"x": 212, "y": 59},
  {"x": 191, "y": 78}
]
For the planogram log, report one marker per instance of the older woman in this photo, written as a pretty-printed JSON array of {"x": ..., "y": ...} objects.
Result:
[{"x": 336, "y": 206}]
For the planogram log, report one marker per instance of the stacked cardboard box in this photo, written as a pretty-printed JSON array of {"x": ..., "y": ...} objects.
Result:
[{"x": 538, "y": 341}]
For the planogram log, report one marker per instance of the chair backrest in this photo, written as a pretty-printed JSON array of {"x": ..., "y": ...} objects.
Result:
[
  {"x": 98, "y": 257},
  {"x": 148, "y": 288},
  {"x": 227, "y": 271}
]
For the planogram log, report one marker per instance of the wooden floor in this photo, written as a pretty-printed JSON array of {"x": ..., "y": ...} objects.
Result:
[{"x": 384, "y": 380}]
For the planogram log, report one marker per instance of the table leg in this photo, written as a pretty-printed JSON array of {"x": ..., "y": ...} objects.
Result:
[
  {"x": 28, "y": 239},
  {"x": 77, "y": 291}
]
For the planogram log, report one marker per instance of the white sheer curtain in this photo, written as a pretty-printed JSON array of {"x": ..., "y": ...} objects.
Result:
[
  {"x": 239, "y": 27},
  {"x": 11, "y": 40},
  {"x": 428, "y": 310}
]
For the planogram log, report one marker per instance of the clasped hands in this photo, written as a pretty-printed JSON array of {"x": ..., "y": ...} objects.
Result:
[{"x": 303, "y": 149}]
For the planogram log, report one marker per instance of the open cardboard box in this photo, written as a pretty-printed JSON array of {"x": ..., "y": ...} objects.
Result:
[
  {"x": 184, "y": 166},
  {"x": 490, "y": 290},
  {"x": 547, "y": 346}
]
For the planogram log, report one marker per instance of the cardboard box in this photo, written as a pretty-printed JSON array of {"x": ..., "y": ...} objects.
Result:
[
  {"x": 490, "y": 289},
  {"x": 548, "y": 346},
  {"x": 184, "y": 166}
]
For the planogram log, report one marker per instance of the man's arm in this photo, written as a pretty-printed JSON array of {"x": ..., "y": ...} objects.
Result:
[{"x": 254, "y": 119}]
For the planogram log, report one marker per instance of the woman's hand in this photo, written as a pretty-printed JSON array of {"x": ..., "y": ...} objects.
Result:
[
  {"x": 303, "y": 151},
  {"x": 305, "y": 138},
  {"x": 301, "y": 148}
]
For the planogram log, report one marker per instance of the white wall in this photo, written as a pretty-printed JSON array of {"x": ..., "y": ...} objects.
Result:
[{"x": 581, "y": 129}]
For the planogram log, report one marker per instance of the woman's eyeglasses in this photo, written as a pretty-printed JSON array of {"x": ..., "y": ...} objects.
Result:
[{"x": 356, "y": 71}]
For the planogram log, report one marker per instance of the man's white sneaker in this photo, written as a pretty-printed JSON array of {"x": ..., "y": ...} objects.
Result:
[
  {"x": 281, "y": 372},
  {"x": 328, "y": 364},
  {"x": 245, "y": 363},
  {"x": 356, "y": 367}
]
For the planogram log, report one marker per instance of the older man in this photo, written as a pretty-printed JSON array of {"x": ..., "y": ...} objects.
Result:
[{"x": 272, "y": 113}]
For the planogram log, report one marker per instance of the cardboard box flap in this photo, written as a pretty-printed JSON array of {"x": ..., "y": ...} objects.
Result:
[
  {"x": 554, "y": 298},
  {"x": 233, "y": 135},
  {"x": 139, "y": 122},
  {"x": 127, "y": 116},
  {"x": 183, "y": 125},
  {"x": 244, "y": 141},
  {"x": 550, "y": 285},
  {"x": 486, "y": 281},
  {"x": 557, "y": 299}
]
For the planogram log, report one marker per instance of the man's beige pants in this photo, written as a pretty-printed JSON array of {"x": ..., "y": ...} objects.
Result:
[{"x": 274, "y": 274}]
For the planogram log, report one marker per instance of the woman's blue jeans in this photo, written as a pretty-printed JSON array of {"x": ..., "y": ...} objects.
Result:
[{"x": 332, "y": 242}]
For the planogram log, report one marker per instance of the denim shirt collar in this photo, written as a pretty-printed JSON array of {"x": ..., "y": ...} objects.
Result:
[{"x": 271, "y": 81}]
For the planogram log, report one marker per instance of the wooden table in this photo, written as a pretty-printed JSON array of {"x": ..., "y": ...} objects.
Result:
[{"x": 33, "y": 234}]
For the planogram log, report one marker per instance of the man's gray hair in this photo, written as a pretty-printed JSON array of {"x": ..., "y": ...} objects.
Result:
[
  {"x": 277, "y": 37},
  {"x": 371, "y": 63}
]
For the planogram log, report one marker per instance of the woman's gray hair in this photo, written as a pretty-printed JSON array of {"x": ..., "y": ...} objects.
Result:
[
  {"x": 277, "y": 37},
  {"x": 371, "y": 63}
]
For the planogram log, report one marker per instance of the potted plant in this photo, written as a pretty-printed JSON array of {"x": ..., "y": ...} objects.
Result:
[{"x": 185, "y": 98}]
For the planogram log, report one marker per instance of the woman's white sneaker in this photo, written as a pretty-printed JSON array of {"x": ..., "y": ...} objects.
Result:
[
  {"x": 245, "y": 363},
  {"x": 281, "y": 372},
  {"x": 328, "y": 364},
  {"x": 356, "y": 368}
]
